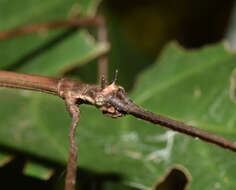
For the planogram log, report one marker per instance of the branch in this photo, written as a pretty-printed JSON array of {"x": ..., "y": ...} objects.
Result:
[
  {"x": 29, "y": 82},
  {"x": 138, "y": 112},
  {"x": 110, "y": 99},
  {"x": 74, "y": 111},
  {"x": 75, "y": 22},
  {"x": 73, "y": 156},
  {"x": 50, "y": 86}
]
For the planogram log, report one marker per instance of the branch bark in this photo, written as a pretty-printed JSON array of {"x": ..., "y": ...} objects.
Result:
[
  {"x": 28, "y": 29},
  {"x": 70, "y": 181},
  {"x": 29, "y": 82}
]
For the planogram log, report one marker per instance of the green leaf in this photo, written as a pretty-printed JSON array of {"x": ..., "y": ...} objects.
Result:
[
  {"x": 38, "y": 170},
  {"x": 5, "y": 158},
  {"x": 45, "y": 46},
  {"x": 194, "y": 87},
  {"x": 191, "y": 86},
  {"x": 33, "y": 11},
  {"x": 78, "y": 49}
]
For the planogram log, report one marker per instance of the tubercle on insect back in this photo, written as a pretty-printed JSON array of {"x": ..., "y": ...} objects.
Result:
[
  {"x": 108, "y": 93},
  {"x": 110, "y": 89},
  {"x": 82, "y": 93}
]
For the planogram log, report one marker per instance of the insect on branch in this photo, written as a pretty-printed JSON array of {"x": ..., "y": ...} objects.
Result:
[{"x": 111, "y": 99}]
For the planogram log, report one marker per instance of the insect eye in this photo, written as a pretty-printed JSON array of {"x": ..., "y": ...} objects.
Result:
[{"x": 100, "y": 100}]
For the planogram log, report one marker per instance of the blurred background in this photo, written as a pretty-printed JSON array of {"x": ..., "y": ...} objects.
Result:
[{"x": 138, "y": 31}]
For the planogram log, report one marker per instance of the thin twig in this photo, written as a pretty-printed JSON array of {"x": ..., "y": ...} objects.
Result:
[
  {"x": 73, "y": 152},
  {"x": 73, "y": 108},
  {"x": 75, "y": 22},
  {"x": 102, "y": 60},
  {"x": 130, "y": 108}
]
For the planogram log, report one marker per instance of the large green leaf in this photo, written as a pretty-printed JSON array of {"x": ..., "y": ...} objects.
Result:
[
  {"x": 77, "y": 49},
  {"x": 70, "y": 48},
  {"x": 191, "y": 86}
]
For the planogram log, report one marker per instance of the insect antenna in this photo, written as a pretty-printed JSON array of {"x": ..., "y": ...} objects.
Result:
[{"x": 114, "y": 78}]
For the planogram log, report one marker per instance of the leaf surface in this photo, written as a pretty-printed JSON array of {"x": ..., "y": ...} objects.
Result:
[{"x": 71, "y": 47}]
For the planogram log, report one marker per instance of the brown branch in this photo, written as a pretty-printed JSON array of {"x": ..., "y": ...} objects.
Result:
[
  {"x": 110, "y": 99},
  {"x": 103, "y": 98},
  {"x": 73, "y": 152},
  {"x": 130, "y": 108},
  {"x": 29, "y": 82},
  {"x": 28, "y": 29},
  {"x": 51, "y": 86},
  {"x": 102, "y": 60}
]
